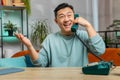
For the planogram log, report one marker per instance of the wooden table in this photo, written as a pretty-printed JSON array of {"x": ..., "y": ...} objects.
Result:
[{"x": 59, "y": 74}]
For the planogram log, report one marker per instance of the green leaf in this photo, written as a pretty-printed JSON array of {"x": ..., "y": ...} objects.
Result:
[{"x": 39, "y": 32}]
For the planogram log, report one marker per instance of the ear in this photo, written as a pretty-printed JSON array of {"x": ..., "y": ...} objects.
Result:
[{"x": 55, "y": 20}]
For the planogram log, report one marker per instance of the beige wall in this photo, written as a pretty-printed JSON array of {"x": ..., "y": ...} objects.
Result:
[
  {"x": 108, "y": 11},
  {"x": 116, "y": 9}
]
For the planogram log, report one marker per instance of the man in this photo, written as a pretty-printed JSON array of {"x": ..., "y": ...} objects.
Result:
[{"x": 63, "y": 48}]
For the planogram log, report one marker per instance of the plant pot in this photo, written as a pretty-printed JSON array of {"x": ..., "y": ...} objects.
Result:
[{"x": 10, "y": 32}]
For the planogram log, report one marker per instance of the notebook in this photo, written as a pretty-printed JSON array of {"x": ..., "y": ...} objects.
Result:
[{"x": 10, "y": 70}]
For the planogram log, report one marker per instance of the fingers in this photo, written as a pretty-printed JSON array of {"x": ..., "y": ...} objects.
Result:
[
  {"x": 81, "y": 21},
  {"x": 76, "y": 20},
  {"x": 19, "y": 35},
  {"x": 16, "y": 34}
]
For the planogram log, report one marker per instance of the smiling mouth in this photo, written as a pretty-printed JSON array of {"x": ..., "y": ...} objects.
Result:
[{"x": 68, "y": 25}]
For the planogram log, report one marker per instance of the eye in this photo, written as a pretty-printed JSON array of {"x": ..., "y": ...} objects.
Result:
[
  {"x": 69, "y": 15},
  {"x": 61, "y": 16}
]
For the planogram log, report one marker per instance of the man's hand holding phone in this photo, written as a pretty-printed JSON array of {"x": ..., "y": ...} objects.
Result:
[
  {"x": 75, "y": 26},
  {"x": 81, "y": 21}
]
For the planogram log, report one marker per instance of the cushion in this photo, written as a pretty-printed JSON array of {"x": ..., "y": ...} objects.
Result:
[
  {"x": 28, "y": 61},
  {"x": 13, "y": 62}
]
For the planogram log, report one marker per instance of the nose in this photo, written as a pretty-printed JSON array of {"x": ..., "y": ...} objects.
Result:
[{"x": 66, "y": 18}]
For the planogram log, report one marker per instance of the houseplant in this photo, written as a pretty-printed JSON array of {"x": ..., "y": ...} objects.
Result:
[
  {"x": 115, "y": 25},
  {"x": 39, "y": 32},
  {"x": 10, "y": 27},
  {"x": 27, "y": 6}
]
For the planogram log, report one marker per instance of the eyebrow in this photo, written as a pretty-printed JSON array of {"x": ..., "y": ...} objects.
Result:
[{"x": 63, "y": 14}]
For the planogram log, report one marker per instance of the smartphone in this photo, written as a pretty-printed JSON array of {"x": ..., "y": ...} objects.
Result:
[{"x": 75, "y": 26}]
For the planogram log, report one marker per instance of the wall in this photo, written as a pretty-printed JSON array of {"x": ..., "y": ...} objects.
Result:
[
  {"x": 116, "y": 9},
  {"x": 108, "y": 11},
  {"x": 42, "y": 9},
  {"x": 105, "y": 14}
]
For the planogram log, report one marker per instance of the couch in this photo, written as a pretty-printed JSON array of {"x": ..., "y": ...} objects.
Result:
[{"x": 111, "y": 54}]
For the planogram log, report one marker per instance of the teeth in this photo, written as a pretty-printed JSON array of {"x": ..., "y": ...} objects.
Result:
[{"x": 66, "y": 24}]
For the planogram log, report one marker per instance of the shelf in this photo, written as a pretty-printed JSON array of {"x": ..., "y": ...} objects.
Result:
[
  {"x": 11, "y": 7},
  {"x": 10, "y": 39},
  {"x": 17, "y": 15},
  {"x": 113, "y": 43},
  {"x": 111, "y": 35},
  {"x": 109, "y": 31}
]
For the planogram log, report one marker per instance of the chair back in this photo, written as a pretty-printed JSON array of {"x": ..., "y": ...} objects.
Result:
[
  {"x": 22, "y": 53},
  {"x": 111, "y": 54}
]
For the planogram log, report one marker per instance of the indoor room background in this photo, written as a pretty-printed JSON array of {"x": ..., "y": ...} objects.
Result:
[{"x": 100, "y": 13}]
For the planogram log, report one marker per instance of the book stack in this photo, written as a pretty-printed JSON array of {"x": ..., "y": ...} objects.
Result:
[
  {"x": 18, "y": 3},
  {"x": 12, "y": 3},
  {"x": 6, "y": 2}
]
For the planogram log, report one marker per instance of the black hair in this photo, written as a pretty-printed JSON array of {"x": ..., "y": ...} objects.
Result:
[{"x": 61, "y": 6}]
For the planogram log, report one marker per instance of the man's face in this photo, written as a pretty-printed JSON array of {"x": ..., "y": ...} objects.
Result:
[{"x": 64, "y": 19}]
